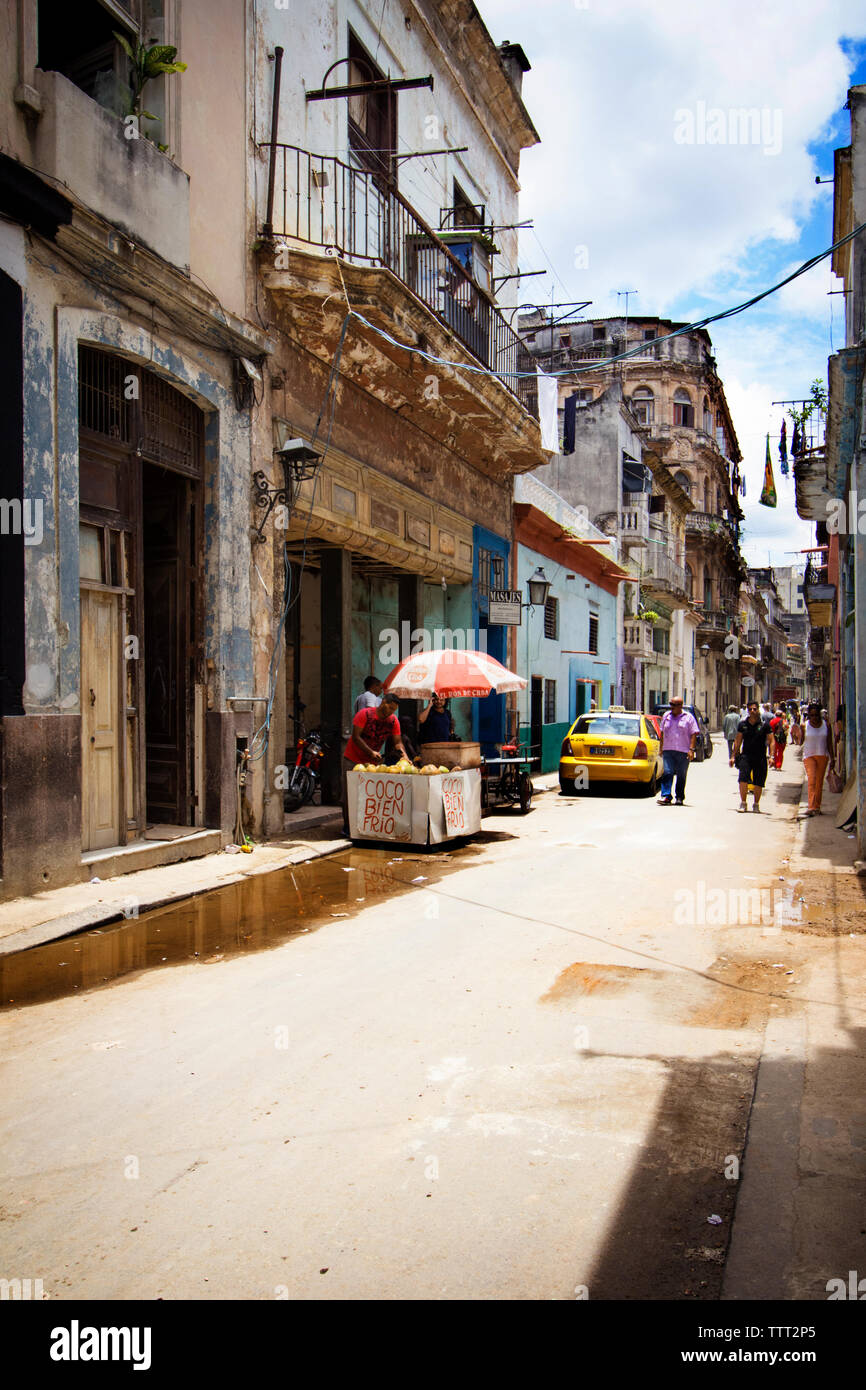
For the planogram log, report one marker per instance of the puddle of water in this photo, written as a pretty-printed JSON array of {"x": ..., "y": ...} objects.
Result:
[{"x": 260, "y": 912}]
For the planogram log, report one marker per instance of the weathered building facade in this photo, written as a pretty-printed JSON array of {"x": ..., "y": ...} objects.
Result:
[
  {"x": 378, "y": 264},
  {"x": 175, "y": 291},
  {"x": 674, "y": 392},
  {"x": 128, "y": 433}
]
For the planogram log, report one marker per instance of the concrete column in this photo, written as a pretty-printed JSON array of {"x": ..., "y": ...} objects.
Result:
[
  {"x": 858, "y": 472},
  {"x": 336, "y": 708}
]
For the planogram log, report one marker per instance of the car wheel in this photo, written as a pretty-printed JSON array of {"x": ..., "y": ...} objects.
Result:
[{"x": 566, "y": 786}]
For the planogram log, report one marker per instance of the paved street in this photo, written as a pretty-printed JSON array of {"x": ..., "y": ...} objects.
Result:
[{"x": 528, "y": 1075}]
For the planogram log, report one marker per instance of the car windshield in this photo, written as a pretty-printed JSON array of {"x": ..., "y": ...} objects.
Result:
[{"x": 602, "y": 724}]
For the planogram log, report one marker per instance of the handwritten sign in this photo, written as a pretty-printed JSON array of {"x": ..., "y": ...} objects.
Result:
[
  {"x": 454, "y": 804},
  {"x": 384, "y": 807}
]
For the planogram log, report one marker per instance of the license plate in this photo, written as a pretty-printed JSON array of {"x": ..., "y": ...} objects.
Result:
[{"x": 603, "y": 752}]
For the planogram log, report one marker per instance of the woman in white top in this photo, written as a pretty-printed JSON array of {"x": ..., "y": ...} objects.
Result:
[{"x": 818, "y": 751}]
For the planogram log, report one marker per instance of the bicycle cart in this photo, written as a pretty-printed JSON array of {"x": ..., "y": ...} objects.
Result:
[{"x": 506, "y": 780}]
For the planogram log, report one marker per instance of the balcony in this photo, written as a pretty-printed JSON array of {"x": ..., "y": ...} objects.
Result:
[
  {"x": 129, "y": 183},
  {"x": 634, "y": 524},
  {"x": 664, "y": 576},
  {"x": 638, "y": 638},
  {"x": 405, "y": 279},
  {"x": 710, "y": 524},
  {"x": 819, "y": 596}
]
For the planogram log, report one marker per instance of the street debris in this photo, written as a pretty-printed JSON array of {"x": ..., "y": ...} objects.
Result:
[{"x": 714, "y": 1220}]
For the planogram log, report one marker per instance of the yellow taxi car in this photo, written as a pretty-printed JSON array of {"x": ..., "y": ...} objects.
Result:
[{"x": 611, "y": 745}]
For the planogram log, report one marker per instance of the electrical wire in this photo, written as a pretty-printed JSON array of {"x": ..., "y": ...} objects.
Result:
[{"x": 632, "y": 352}]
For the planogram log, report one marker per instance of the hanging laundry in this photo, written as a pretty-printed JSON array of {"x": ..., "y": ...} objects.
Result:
[
  {"x": 570, "y": 420},
  {"x": 743, "y": 487},
  {"x": 768, "y": 494},
  {"x": 795, "y": 441},
  {"x": 548, "y": 399},
  {"x": 783, "y": 446}
]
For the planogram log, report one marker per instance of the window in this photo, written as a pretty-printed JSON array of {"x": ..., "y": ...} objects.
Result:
[
  {"x": 372, "y": 118},
  {"x": 690, "y": 581},
  {"x": 598, "y": 332},
  {"x": 684, "y": 411},
  {"x": 593, "y": 633},
  {"x": 464, "y": 213},
  {"x": 565, "y": 340},
  {"x": 642, "y": 403},
  {"x": 600, "y": 725},
  {"x": 708, "y": 417},
  {"x": 550, "y": 702},
  {"x": 78, "y": 41},
  {"x": 649, "y": 335},
  {"x": 661, "y": 640},
  {"x": 684, "y": 481},
  {"x": 551, "y": 618}
]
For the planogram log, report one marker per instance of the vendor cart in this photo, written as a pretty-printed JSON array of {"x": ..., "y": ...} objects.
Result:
[
  {"x": 414, "y": 808},
  {"x": 506, "y": 780}
]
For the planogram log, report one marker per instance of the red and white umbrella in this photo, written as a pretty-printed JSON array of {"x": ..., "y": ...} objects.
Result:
[{"x": 451, "y": 673}]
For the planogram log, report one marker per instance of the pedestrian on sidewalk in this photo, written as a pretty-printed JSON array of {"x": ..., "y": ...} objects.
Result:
[
  {"x": 371, "y": 695},
  {"x": 371, "y": 730},
  {"x": 679, "y": 735},
  {"x": 779, "y": 725},
  {"x": 730, "y": 726},
  {"x": 795, "y": 734},
  {"x": 754, "y": 738},
  {"x": 819, "y": 750}
]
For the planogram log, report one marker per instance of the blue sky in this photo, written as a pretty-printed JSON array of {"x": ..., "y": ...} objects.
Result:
[{"x": 694, "y": 227}]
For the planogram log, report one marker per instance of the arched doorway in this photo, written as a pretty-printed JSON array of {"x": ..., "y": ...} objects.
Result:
[{"x": 141, "y": 447}]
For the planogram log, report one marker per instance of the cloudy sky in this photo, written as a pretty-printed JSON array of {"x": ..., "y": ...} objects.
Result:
[{"x": 694, "y": 227}]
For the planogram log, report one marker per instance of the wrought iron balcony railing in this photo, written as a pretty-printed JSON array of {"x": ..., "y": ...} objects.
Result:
[{"x": 320, "y": 200}]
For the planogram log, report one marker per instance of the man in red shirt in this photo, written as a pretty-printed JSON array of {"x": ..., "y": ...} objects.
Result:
[{"x": 371, "y": 729}]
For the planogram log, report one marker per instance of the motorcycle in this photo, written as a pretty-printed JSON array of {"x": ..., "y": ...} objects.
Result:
[{"x": 304, "y": 776}]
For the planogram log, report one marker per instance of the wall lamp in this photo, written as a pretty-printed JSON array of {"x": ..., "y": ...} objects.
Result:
[{"x": 299, "y": 463}]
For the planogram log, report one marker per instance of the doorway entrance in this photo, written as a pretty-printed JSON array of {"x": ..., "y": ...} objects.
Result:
[
  {"x": 168, "y": 512},
  {"x": 140, "y": 457}
]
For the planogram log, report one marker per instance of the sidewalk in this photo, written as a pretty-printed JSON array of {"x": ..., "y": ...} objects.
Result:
[
  {"x": 798, "y": 1222},
  {"x": 310, "y": 834}
]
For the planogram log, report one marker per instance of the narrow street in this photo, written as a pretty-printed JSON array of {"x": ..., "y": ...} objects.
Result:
[{"x": 521, "y": 1069}]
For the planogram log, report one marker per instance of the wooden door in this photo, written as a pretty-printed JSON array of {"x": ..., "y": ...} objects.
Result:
[{"x": 102, "y": 750}]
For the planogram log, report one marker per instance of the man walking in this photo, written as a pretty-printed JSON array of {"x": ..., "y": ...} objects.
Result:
[
  {"x": 730, "y": 726},
  {"x": 679, "y": 735},
  {"x": 754, "y": 740}
]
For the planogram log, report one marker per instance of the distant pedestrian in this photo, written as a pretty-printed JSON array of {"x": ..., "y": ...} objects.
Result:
[
  {"x": 730, "y": 726},
  {"x": 779, "y": 725},
  {"x": 371, "y": 696},
  {"x": 818, "y": 752},
  {"x": 754, "y": 739},
  {"x": 795, "y": 733},
  {"x": 680, "y": 731}
]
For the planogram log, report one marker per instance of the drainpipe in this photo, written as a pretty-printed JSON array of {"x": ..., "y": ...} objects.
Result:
[{"x": 268, "y": 228}]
